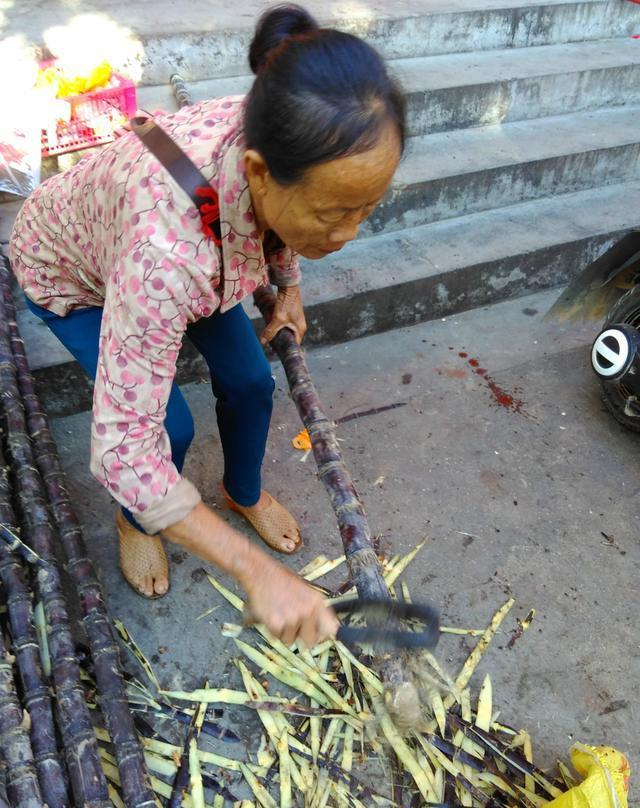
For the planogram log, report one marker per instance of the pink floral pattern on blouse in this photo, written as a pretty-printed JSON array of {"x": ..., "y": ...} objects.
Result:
[{"x": 116, "y": 231}]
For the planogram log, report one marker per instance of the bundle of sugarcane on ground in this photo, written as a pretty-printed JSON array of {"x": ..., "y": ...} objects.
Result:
[{"x": 59, "y": 763}]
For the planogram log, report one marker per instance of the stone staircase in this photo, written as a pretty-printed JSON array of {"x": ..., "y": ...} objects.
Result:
[{"x": 523, "y": 159}]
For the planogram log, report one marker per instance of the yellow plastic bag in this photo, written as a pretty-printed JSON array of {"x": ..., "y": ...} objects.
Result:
[{"x": 606, "y": 776}]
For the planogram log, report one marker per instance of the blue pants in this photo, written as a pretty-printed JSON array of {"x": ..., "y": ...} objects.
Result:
[{"x": 240, "y": 379}]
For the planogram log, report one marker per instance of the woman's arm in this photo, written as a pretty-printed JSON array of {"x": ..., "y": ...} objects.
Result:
[{"x": 281, "y": 600}]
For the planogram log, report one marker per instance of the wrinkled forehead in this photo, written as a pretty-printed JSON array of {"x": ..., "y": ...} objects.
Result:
[{"x": 353, "y": 181}]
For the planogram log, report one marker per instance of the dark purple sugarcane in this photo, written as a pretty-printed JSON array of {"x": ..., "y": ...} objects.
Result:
[
  {"x": 35, "y": 687},
  {"x": 356, "y": 537},
  {"x": 181, "y": 780},
  {"x": 136, "y": 789},
  {"x": 23, "y": 789},
  {"x": 88, "y": 784}
]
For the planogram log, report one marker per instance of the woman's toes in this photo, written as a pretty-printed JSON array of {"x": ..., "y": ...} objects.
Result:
[{"x": 161, "y": 585}]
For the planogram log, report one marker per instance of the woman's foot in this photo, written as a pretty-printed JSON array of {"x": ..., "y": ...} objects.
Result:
[
  {"x": 271, "y": 521},
  {"x": 143, "y": 561}
]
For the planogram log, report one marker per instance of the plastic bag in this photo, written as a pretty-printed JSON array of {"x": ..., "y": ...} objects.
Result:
[
  {"x": 606, "y": 776},
  {"x": 20, "y": 159},
  {"x": 20, "y": 132}
]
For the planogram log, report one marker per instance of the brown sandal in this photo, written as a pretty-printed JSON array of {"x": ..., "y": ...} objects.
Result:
[
  {"x": 274, "y": 524},
  {"x": 141, "y": 556}
]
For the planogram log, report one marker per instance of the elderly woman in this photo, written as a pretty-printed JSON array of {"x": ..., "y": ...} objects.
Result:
[{"x": 112, "y": 256}]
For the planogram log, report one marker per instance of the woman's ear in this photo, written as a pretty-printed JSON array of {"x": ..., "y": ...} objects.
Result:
[{"x": 257, "y": 172}]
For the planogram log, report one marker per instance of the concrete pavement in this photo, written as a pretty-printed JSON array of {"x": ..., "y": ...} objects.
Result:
[{"x": 533, "y": 496}]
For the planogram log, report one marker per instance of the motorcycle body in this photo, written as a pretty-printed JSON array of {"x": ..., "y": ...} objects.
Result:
[{"x": 610, "y": 288}]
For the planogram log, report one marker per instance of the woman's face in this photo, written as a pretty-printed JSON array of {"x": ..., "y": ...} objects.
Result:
[{"x": 322, "y": 212}]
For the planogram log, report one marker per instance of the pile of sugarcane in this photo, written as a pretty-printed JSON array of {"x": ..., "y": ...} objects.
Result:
[
  {"x": 76, "y": 730},
  {"x": 329, "y": 738},
  {"x": 49, "y": 748}
]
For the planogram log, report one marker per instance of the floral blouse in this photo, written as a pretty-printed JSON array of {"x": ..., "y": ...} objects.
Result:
[{"x": 116, "y": 231}]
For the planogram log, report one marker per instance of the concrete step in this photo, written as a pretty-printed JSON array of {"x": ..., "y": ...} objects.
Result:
[
  {"x": 434, "y": 28},
  {"x": 203, "y": 41},
  {"x": 455, "y": 91},
  {"x": 455, "y": 173},
  {"x": 441, "y": 268},
  {"x": 397, "y": 279}
]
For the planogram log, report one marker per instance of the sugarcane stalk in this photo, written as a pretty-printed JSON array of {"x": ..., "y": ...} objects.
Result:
[
  {"x": 35, "y": 688},
  {"x": 136, "y": 788},
  {"x": 364, "y": 566},
  {"x": 23, "y": 789},
  {"x": 88, "y": 784}
]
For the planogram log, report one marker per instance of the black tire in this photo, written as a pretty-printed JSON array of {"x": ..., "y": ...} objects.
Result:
[{"x": 626, "y": 310}]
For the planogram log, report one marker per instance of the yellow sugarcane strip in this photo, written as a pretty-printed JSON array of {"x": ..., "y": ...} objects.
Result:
[
  {"x": 433, "y": 663},
  {"x": 173, "y": 752},
  {"x": 313, "y": 565},
  {"x": 485, "y": 705},
  {"x": 217, "y": 696},
  {"x": 315, "y": 724},
  {"x": 348, "y": 672},
  {"x": 529, "y": 781},
  {"x": 392, "y": 576},
  {"x": 325, "y": 568},
  {"x": 439, "y": 712},
  {"x": 535, "y": 799},
  {"x": 115, "y": 797},
  {"x": 233, "y": 599},
  {"x": 285, "y": 676},
  {"x": 259, "y": 791},
  {"x": 285, "y": 771},
  {"x": 312, "y": 674},
  {"x": 468, "y": 632},
  {"x": 367, "y": 674},
  {"x": 402, "y": 749},
  {"x": 195, "y": 776},
  {"x": 329, "y": 735},
  {"x": 347, "y": 749},
  {"x": 476, "y": 655}
]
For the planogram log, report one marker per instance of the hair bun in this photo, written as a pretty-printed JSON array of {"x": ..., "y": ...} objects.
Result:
[{"x": 274, "y": 26}]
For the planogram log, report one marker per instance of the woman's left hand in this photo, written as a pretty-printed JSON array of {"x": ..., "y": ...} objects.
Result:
[{"x": 288, "y": 313}]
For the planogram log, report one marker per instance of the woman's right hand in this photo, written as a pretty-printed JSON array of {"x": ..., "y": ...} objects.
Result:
[
  {"x": 276, "y": 597},
  {"x": 288, "y": 606}
]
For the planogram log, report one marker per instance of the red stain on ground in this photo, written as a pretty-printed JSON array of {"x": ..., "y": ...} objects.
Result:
[{"x": 506, "y": 399}]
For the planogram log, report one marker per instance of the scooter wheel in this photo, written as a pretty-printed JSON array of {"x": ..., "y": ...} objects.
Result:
[{"x": 618, "y": 399}]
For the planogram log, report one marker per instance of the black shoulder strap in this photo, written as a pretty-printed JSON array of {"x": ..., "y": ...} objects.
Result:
[{"x": 183, "y": 171}]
